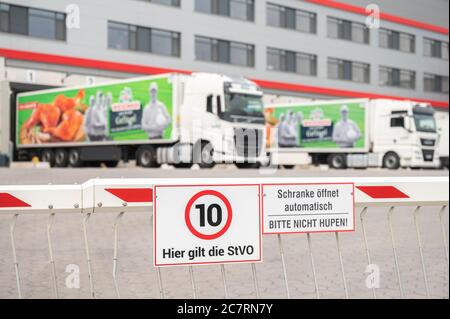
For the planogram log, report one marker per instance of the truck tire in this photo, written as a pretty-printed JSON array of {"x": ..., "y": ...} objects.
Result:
[
  {"x": 61, "y": 158},
  {"x": 391, "y": 161},
  {"x": 289, "y": 167},
  {"x": 183, "y": 165},
  {"x": 146, "y": 157},
  {"x": 337, "y": 161},
  {"x": 203, "y": 155},
  {"x": 248, "y": 165},
  {"x": 75, "y": 158},
  {"x": 112, "y": 164},
  {"x": 48, "y": 156}
]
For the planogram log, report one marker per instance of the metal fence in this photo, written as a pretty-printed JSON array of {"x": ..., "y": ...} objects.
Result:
[{"x": 89, "y": 241}]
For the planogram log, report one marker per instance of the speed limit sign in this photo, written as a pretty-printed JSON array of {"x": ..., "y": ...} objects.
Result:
[{"x": 206, "y": 224}]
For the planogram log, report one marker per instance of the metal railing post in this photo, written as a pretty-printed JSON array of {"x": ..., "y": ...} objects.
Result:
[
  {"x": 444, "y": 235},
  {"x": 341, "y": 261},
  {"x": 366, "y": 244},
  {"x": 194, "y": 287},
  {"x": 224, "y": 280},
  {"x": 51, "y": 218},
  {"x": 115, "y": 256},
  {"x": 160, "y": 283},
  {"x": 12, "y": 228},
  {"x": 313, "y": 266},
  {"x": 419, "y": 242},
  {"x": 283, "y": 263},
  {"x": 394, "y": 250},
  {"x": 255, "y": 281},
  {"x": 88, "y": 256}
]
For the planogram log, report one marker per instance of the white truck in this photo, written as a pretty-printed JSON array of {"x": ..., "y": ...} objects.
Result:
[
  {"x": 171, "y": 119},
  {"x": 357, "y": 133},
  {"x": 442, "y": 124}
]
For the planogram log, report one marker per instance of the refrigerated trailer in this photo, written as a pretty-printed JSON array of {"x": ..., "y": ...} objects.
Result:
[
  {"x": 171, "y": 119},
  {"x": 353, "y": 133},
  {"x": 443, "y": 126}
]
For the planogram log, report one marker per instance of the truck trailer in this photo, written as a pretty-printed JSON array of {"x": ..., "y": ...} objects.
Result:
[
  {"x": 171, "y": 119},
  {"x": 443, "y": 125},
  {"x": 357, "y": 133}
]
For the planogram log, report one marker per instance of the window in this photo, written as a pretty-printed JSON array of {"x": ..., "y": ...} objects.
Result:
[
  {"x": 435, "y": 48},
  {"x": 237, "y": 9},
  {"x": 398, "y": 121},
  {"x": 348, "y": 70},
  {"x": 129, "y": 37},
  {"x": 435, "y": 83},
  {"x": 215, "y": 50},
  {"x": 348, "y": 30},
  {"x": 397, "y": 40},
  {"x": 33, "y": 22},
  {"x": 289, "y": 61},
  {"x": 397, "y": 77},
  {"x": 290, "y": 18},
  {"x": 174, "y": 3}
]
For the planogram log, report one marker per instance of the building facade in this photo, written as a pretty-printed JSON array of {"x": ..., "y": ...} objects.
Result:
[{"x": 294, "y": 48}]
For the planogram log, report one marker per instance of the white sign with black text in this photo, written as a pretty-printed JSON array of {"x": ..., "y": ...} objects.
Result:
[
  {"x": 308, "y": 208},
  {"x": 206, "y": 224}
]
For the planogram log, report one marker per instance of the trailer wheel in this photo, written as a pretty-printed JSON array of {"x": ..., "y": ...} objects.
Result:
[
  {"x": 391, "y": 161},
  {"x": 112, "y": 164},
  {"x": 61, "y": 158},
  {"x": 183, "y": 165},
  {"x": 248, "y": 165},
  {"x": 337, "y": 161},
  {"x": 203, "y": 155},
  {"x": 48, "y": 156},
  {"x": 75, "y": 158},
  {"x": 146, "y": 157},
  {"x": 289, "y": 167}
]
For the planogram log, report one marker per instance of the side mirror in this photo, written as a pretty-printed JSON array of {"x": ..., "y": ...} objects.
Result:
[
  {"x": 209, "y": 104},
  {"x": 407, "y": 124},
  {"x": 220, "y": 105}
]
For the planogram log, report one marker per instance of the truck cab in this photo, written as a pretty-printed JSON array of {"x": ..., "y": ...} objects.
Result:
[
  {"x": 408, "y": 138},
  {"x": 223, "y": 119}
]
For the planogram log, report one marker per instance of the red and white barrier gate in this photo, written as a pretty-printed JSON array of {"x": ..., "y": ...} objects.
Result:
[{"x": 121, "y": 196}]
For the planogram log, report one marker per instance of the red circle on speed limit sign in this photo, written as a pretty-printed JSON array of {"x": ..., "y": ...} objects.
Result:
[{"x": 207, "y": 214}]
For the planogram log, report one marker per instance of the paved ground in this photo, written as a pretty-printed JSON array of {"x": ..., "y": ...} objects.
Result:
[
  {"x": 20, "y": 175},
  {"x": 137, "y": 278}
]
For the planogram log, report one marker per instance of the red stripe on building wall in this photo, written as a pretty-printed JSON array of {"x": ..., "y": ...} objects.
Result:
[
  {"x": 140, "y": 69},
  {"x": 382, "y": 192},
  {"x": 384, "y": 16},
  {"x": 133, "y": 195},
  {"x": 84, "y": 63},
  {"x": 9, "y": 201},
  {"x": 342, "y": 93}
]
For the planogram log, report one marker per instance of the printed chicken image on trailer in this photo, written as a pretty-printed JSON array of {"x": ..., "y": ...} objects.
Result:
[
  {"x": 206, "y": 224},
  {"x": 308, "y": 208}
]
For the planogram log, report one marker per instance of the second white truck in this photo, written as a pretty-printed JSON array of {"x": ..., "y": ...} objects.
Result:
[{"x": 353, "y": 133}]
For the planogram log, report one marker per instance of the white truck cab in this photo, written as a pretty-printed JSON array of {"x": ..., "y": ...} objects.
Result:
[
  {"x": 409, "y": 135},
  {"x": 223, "y": 119}
]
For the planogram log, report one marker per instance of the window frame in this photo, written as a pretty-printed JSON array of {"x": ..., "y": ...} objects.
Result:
[
  {"x": 55, "y": 18},
  {"x": 218, "y": 55},
  {"x": 295, "y": 13},
  {"x": 348, "y": 25},
  {"x": 133, "y": 35}
]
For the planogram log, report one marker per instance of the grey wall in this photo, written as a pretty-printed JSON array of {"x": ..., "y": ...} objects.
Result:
[
  {"x": 430, "y": 11},
  {"x": 91, "y": 40}
]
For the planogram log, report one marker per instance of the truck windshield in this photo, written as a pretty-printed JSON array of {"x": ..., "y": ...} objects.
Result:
[
  {"x": 243, "y": 106},
  {"x": 425, "y": 123}
]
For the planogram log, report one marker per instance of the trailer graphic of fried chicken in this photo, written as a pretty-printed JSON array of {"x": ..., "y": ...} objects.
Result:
[{"x": 60, "y": 121}]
